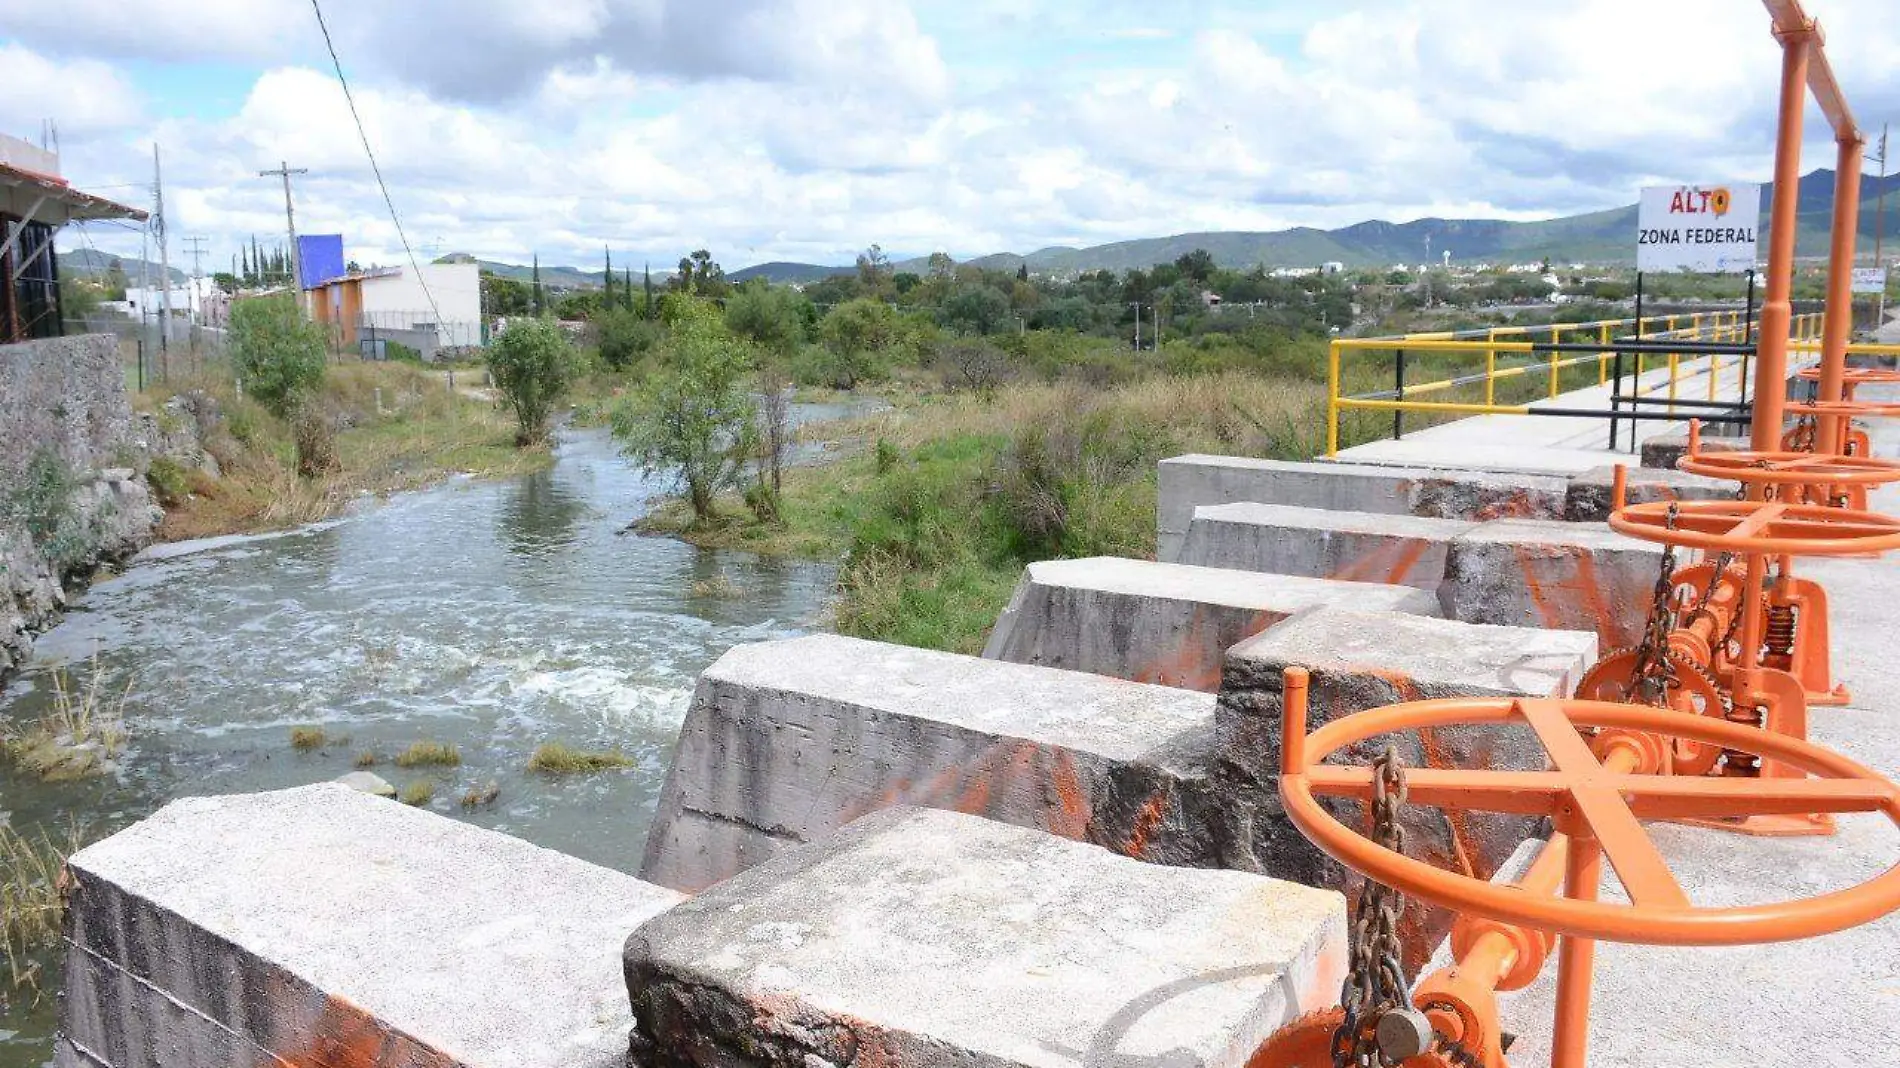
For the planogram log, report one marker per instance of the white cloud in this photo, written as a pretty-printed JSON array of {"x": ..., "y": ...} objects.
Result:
[
  {"x": 84, "y": 97},
  {"x": 807, "y": 129}
]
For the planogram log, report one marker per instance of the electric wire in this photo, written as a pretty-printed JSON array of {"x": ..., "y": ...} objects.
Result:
[{"x": 374, "y": 168}]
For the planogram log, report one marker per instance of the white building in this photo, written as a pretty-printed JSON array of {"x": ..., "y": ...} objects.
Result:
[{"x": 440, "y": 309}]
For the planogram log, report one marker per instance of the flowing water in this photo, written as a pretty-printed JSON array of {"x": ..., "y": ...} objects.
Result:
[{"x": 492, "y": 616}]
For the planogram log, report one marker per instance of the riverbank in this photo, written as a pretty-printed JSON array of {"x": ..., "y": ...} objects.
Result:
[
  {"x": 934, "y": 507},
  {"x": 396, "y": 427}
]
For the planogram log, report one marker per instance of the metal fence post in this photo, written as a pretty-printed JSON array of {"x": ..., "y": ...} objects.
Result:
[{"x": 1398, "y": 414}]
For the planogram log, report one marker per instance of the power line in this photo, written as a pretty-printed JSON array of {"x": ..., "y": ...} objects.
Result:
[{"x": 378, "y": 171}]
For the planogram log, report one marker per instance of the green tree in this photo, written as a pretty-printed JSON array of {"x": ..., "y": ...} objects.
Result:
[
  {"x": 974, "y": 308},
  {"x": 506, "y": 296},
  {"x": 278, "y": 354},
  {"x": 540, "y": 295},
  {"x": 532, "y": 365},
  {"x": 1198, "y": 265},
  {"x": 695, "y": 419},
  {"x": 771, "y": 317},
  {"x": 857, "y": 335},
  {"x": 115, "y": 280},
  {"x": 607, "y": 284},
  {"x": 700, "y": 274},
  {"x": 874, "y": 269},
  {"x": 625, "y": 337}
]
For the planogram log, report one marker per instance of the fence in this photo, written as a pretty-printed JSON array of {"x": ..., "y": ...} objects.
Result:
[{"x": 1524, "y": 368}]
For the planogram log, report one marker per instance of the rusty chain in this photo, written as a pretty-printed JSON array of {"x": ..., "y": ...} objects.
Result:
[
  {"x": 1375, "y": 980},
  {"x": 1652, "y": 676}
]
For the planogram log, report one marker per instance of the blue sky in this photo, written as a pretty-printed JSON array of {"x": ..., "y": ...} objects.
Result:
[{"x": 808, "y": 129}]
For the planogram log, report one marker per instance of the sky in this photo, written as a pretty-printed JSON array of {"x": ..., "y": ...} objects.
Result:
[{"x": 809, "y": 129}]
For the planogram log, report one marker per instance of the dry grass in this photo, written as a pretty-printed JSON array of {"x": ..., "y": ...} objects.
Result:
[
  {"x": 308, "y": 739},
  {"x": 555, "y": 758},
  {"x": 32, "y": 901},
  {"x": 79, "y": 736},
  {"x": 719, "y": 587},
  {"x": 418, "y": 793},
  {"x": 419, "y": 435},
  {"x": 429, "y": 754},
  {"x": 367, "y": 759}
]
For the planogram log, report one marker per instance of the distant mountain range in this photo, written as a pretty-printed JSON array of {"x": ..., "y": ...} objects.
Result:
[
  {"x": 1597, "y": 237},
  {"x": 89, "y": 263}
]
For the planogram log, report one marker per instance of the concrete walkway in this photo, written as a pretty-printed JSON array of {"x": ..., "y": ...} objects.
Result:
[
  {"x": 1825, "y": 1001},
  {"x": 1555, "y": 444}
]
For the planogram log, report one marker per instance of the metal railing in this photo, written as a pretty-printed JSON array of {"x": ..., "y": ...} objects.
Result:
[{"x": 1710, "y": 344}]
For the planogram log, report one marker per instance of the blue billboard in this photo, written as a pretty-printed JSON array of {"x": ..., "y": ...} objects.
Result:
[{"x": 319, "y": 258}]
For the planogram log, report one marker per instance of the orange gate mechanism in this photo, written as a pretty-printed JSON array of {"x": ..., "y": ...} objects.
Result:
[{"x": 1609, "y": 770}]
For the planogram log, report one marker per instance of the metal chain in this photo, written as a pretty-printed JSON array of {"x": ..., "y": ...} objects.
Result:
[
  {"x": 1375, "y": 980},
  {"x": 1652, "y": 676}
]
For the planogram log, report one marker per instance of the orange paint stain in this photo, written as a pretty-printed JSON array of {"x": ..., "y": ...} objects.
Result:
[{"x": 1146, "y": 822}]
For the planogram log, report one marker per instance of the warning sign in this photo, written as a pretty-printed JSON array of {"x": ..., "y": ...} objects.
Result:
[
  {"x": 1707, "y": 228},
  {"x": 1870, "y": 279}
]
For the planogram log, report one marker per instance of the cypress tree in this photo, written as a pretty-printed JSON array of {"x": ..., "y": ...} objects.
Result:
[
  {"x": 607, "y": 285},
  {"x": 650, "y": 309},
  {"x": 540, "y": 301}
]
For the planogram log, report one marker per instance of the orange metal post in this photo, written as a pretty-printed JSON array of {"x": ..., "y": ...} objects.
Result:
[
  {"x": 1576, "y": 960},
  {"x": 1840, "y": 289},
  {"x": 1771, "y": 355}
]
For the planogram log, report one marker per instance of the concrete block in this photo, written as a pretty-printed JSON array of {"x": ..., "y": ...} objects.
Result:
[
  {"x": 1361, "y": 660},
  {"x": 1592, "y": 493},
  {"x": 926, "y": 939},
  {"x": 1562, "y": 576},
  {"x": 323, "y": 926},
  {"x": 785, "y": 742},
  {"x": 1397, "y": 550},
  {"x": 1190, "y": 482},
  {"x": 1168, "y": 624}
]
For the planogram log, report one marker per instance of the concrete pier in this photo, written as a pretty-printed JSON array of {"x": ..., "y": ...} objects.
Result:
[
  {"x": 321, "y": 926},
  {"x": 1169, "y": 624},
  {"x": 927, "y": 939},
  {"x": 1560, "y": 576},
  {"x": 1361, "y": 660},
  {"x": 785, "y": 742},
  {"x": 1397, "y": 550},
  {"x": 1195, "y": 481}
]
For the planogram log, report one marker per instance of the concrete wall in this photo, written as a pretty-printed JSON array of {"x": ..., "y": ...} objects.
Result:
[
  {"x": 320, "y": 926},
  {"x": 1560, "y": 576},
  {"x": 70, "y": 492},
  {"x": 1398, "y": 550},
  {"x": 1190, "y": 482},
  {"x": 1169, "y": 624},
  {"x": 787, "y": 741}
]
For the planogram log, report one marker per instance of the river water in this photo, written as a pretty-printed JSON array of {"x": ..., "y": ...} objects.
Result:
[{"x": 493, "y": 616}]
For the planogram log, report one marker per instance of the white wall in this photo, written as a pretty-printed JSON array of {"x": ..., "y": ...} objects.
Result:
[{"x": 398, "y": 300}]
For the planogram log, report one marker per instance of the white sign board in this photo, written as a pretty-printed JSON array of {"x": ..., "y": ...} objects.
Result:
[
  {"x": 1870, "y": 279},
  {"x": 1707, "y": 228}
]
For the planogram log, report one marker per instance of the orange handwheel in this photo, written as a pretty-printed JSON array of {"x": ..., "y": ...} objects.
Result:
[
  {"x": 1771, "y": 527},
  {"x": 1600, "y": 810},
  {"x": 1792, "y": 468}
]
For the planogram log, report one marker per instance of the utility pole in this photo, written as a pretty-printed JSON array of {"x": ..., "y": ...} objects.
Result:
[
  {"x": 284, "y": 171},
  {"x": 1135, "y": 304},
  {"x": 1880, "y": 228},
  {"x": 164, "y": 272},
  {"x": 197, "y": 274}
]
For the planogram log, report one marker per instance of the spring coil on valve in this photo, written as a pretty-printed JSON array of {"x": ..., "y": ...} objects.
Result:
[
  {"x": 1779, "y": 632},
  {"x": 1737, "y": 764}
]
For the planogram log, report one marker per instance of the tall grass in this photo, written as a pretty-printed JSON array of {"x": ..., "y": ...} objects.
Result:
[
  {"x": 32, "y": 901},
  {"x": 78, "y": 736},
  {"x": 962, "y": 490}
]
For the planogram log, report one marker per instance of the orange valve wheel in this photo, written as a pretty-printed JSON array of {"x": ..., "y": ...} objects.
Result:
[
  {"x": 1771, "y": 527},
  {"x": 1843, "y": 409},
  {"x": 1599, "y": 809},
  {"x": 1792, "y": 468},
  {"x": 1853, "y": 376}
]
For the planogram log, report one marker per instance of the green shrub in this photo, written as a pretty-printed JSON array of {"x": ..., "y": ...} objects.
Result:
[
  {"x": 278, "y": 354},
  {"x": 170, "y": 483},
  {"x": 427, "y": 754},
  {"x": 532, "y": 365},
  {"x": 626, "y": 338},
  {"x": 694, "y": 420},
  {"x": 396, "y": 350}
]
